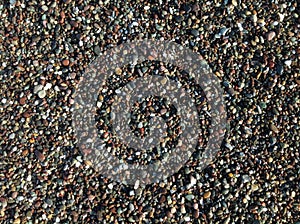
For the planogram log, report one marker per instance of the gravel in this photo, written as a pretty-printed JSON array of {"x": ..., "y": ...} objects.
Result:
[{"x": 252, "y": 47}]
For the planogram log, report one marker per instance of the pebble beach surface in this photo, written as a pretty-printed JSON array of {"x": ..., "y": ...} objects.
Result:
[{"x": 251, "y": 46}]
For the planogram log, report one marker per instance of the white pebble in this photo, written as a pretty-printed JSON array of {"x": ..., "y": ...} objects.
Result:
[
  {"x": 193, "y": 181},
  {"x": 288, "y": 62},
  {"x": 42, "y": 94},
  {"x": 136, "y": 185},
  {"x": 12, "y": 135},
  {"x": 48, "y": 86},
  {"x": 28, "y": 178},
  {"x": 110, "y": 186}
]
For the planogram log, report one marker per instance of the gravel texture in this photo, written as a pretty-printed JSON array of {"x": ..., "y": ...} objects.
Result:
[{"x": 253, "y": 47}]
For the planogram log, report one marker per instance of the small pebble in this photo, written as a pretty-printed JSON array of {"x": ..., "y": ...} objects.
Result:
[
  {"x": 274, "y": 128},
  {"x": 65, "y": 62},
  {"x": 271, "y": 35},
  {"x": 42, "y": 94},
  {"x": 39, "y": 155},
  {"x": 207, "y": 195}
]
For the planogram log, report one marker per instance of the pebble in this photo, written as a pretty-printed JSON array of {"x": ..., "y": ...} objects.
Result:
[
  {"x": 12, "y": 136},
  {"x": 65, "y": 62},
  {"x": 274, "y": 128},
  {"x": 288, "y": 63},
  {"x": 251, "y": 46},
  {"x": 195, "y": 32},
  {"x": 246, "y": 178},
  {"x": 271, "y": 35},
  {"x": 207, "y": 195},
  {"x": 17, "y": 221},
  {"x": 254, "y": 187},
  {"x": 42, "y": 93},
  {"x": 44, "y": 8},
  {"x": 37, "y": 88},
  {"x": 23, "y": 100},
  {"x": 173, "y": 210},
  {"x": 39, "y": 155},
  {"x": 97, "y": 50}
]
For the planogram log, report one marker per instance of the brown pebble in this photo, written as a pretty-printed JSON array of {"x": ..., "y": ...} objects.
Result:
[
  {"x": 196, "y": 214},
  {"x": 62, "y": 14},
  {"x": 25, "y": 152},
  {"x": 39, "y": 155},
  {"x": 169, "y": 214},
  {"x": 75, "y": 216},
  {"x": 298, "y": 81},
  {"x": 37, "y": 204},
  {"x": 74, "y": 24},
  {"x": 65, "y": 62},
  {"x": 91, "y": 197},
  {"x": 162, "y": 199},
  {"x": 271, "y": 64},
  {"x": 22, "y": 100},
  {"x": 207, "y": 195},
  {"x": 274, "y": 128},
  {"x": 151, "y": 58}
]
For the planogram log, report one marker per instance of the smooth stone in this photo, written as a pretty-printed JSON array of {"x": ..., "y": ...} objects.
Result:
[
  {"x": 279, "y": 69},
  {"x": 207, "y": 195},
  {"x": 42, "y": 94},
  {"x": 97, "y": 50},
  {"x": 37, "y": 88},
  {"x": 274, "y": 128},
  {"x": 23, "y": 100},
  {"x": 39, "y": 155},
  {"x": 158, "y": 27},
  {"x": 45, "y": 8},
  {"x": 223, "y": 31},
  {"x": 48, "y": 86},
  {"x": 195, "y": 32},
  {"x": 65, "y": 62},
  {"x": 189, "y": 197},
  {"x": 254, "y": 187},
  {"x": 12, "y": 136},
  {"x": 178, "y": 19},
  {"x": 288, "y": 63},
  {"x": 271, "y": 35}
]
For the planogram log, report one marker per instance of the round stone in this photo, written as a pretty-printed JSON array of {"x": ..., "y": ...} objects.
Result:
[{"x": 42, "y": 94}]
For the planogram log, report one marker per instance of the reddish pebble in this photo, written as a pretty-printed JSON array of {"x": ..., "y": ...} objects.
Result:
[
  {"x": 65, "y": 62},
  {"x": 26, "y": 114},
  {"x": 23, "y": 100},
  {"x": 74, "y": 24}
]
